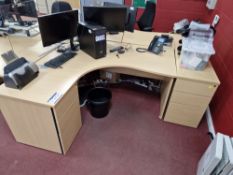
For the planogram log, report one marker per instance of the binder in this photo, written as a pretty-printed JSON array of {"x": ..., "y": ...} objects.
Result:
[
  {"x": 226, "y": 164},
  {"x": 211, "y": 157},
  {"x": 231, "y": 173}
]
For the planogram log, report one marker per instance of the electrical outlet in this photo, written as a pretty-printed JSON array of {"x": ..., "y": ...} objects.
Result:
[
  {"x": 211, "y": 4},
  {"x": 215, "y": 20}
]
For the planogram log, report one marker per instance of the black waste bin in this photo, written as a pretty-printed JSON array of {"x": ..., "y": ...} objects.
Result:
[{"x": 98, "y": 101}]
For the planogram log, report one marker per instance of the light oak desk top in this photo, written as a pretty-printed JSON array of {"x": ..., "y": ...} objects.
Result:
[
  {"x": 60, "y": 80},
  {"x": 53, "y": 126},
  {"x": 137, "y": 37},
  {"x": 142, "y": 38}
]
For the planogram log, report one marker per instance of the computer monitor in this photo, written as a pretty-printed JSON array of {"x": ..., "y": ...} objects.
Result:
[
  {"x": 19, "y": 8},
  {"x": 113, "y": 18},
  {"x": 5, "y": 2},
  {"x": 2, "y": 2},
  {"x": 4, "y": 12},
  {"x": 5, "y": 9},
  {"x": 57, "y": 27},
  {"x": 26, "y": 8}
]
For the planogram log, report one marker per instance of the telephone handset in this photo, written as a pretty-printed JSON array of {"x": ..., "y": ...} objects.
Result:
[{"x": 156, "y": 45}]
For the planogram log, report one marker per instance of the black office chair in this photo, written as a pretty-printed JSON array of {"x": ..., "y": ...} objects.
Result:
[
  {"x": 146, "y": 20},
  {"x": 131, "y": 19},
  {"x": 60, "y": 6},
  {"x": 131, "y": 15}
]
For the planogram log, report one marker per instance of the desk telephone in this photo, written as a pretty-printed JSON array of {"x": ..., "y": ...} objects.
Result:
[{"x": 156, "y": 45}]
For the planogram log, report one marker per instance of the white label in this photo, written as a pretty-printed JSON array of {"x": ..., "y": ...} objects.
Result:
[
  {"x": 100, "y": 38},
  {"x": 54, "y": 98},
  {"x": 195, "y": 61}
]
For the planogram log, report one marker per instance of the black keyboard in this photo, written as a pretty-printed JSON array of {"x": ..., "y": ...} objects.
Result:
[{"x": 60, "y": 60}]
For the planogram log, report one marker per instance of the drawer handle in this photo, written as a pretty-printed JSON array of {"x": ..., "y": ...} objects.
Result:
[{"x": 212, "y": 86}]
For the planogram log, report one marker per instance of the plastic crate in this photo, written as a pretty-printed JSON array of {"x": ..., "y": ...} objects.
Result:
[{"x": 196, "y": 53}]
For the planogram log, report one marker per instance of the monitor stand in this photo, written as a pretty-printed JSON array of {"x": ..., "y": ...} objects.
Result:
[{"x": 73, "y": 47}]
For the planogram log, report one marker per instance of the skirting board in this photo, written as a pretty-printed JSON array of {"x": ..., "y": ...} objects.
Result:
[{"x": 210, "y": 122}]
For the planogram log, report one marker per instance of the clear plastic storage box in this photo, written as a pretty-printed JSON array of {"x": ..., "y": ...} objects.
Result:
[
  {"x": 197, "y": 49},
  {"x": 195, "y": 54}
]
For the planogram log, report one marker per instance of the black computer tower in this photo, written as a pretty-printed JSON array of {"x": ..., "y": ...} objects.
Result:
[{"x": 92, "y": 40}]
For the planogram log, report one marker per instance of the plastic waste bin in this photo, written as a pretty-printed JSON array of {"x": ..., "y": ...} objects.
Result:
[{"x": 98, "y": 101}]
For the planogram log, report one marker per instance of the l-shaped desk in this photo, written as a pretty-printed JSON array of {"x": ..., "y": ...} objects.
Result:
[{"x": 46, "y": 113}]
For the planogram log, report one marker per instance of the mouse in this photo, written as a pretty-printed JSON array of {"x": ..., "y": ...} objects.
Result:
[{"x": 121, "y": 51}]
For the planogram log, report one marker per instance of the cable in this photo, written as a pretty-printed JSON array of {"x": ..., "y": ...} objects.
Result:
[
  {"x": 10, "y": 43},
  {"x": 122, "y": 37},
  {"x": 141, "y": 50},
  {"x": 83, "y": 104}
]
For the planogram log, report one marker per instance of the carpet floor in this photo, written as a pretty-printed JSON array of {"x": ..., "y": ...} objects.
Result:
[{"x": 131, "y": 140}]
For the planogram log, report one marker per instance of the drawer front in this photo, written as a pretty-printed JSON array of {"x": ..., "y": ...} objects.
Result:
[
  {"x": 69, "y": 98},
  {"x": 184, "y": 114},
  {"x": 194, "y": 87},
  {"x": 190, "y": 99},
  {"x": 69, "y": 124},
  {"x": 68, "y": 117}
]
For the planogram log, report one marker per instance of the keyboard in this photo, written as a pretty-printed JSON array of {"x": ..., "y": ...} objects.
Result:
[{"x": 60, "y": 60}]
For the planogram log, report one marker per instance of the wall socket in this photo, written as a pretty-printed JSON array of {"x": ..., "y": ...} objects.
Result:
[
  {"x": 211, "y": 4},
  {"x": 215, "y": 20}
]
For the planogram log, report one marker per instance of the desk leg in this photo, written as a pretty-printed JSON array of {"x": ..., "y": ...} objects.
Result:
[{"x": 166, "y": 90}]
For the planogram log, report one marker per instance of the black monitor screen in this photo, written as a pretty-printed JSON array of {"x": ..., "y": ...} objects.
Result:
[
  {"x": 26, "y": 8},
  {"x": 57, "y": 27},
  {"x": 4, "y": 9},
  {"x": 113, "y": 18},
  {"x": 3, "y": 2}
]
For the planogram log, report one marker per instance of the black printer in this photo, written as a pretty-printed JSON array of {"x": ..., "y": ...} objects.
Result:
[{"x": 19, "y": 73}]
